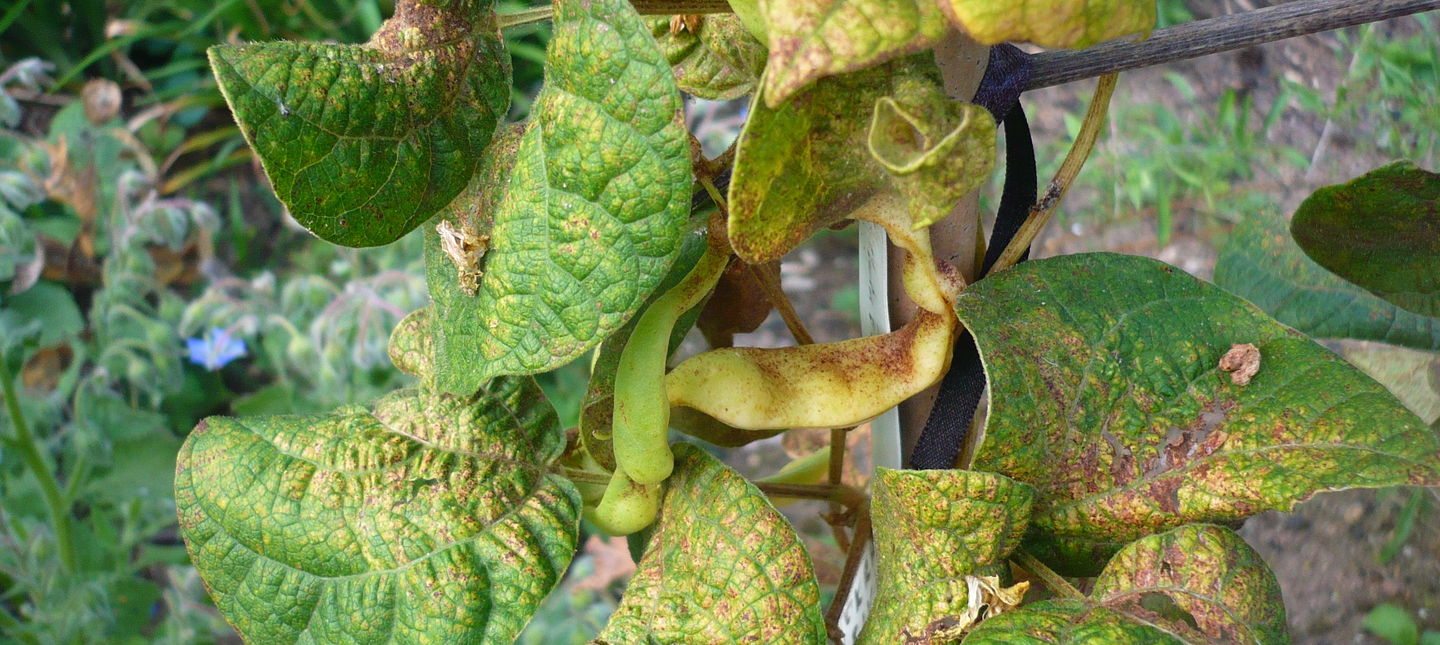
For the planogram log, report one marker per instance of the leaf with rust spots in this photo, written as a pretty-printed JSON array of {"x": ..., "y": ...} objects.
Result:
[
  {"x": 1067, "y": 621},
  {"x": 935, "y": 529},
  {"x": 431, "y": 519},
  {"x": 589, "y": 219},
  {"x": 1051, "y": 23},
  {"x": 812, "y": 39},
  {"x": 826, "y": 385},
  {"x": 808, "y": 163},
  {"x": 411, "y": 346},
  {"x": 1105, "y": 395},
  {"x": 1261, "y": 263},
  {"x": 364, "y": 142},
  {"x": 722, "y": 566},
  {"x": 713, "y": 57},
  {"x": 1219, "y": 585},
  {"x": 1381, "y": 232}
]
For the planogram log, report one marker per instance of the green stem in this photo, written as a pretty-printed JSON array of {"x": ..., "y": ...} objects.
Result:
[
  {"x": 49, "y": 487},
  {"x": 1056, "y": 583}
]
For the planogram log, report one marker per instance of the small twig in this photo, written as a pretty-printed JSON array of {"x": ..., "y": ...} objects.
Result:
[
  {"x": 1225, "y": 33},
  {"x": 1056, "y": 583},
  {"x": 853, "y": 555},
  {"x": 781, "y": 303},
  {"x": 1069, "y": 169}
]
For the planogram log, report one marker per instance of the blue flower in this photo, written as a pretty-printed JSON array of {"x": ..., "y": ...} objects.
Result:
[{"x": 215, "y": 350}]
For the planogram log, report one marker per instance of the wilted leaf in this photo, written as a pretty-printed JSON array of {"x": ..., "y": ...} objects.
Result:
[
  {"x": 365, "y": 142},
  {"x": 719, "y": 60},
  {"x": 807, "y": 164},
  {"x": 432, "y": 519},
  {"x": 722, "y": 566},
  {"x": 1217, "y": 584},
  {"x": 1260, "y": 263},
  {"x": 589, "y": 221},
  {"x": 1381, "y": 231},
  {"x": 933, "y": 528},
  {"x": 1105, "y": 394},
  {"x": 1051, "y": 23},
  {"x": 811, "y": 39}
]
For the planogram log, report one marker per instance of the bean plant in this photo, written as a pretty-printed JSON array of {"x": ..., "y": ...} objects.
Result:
[{"x": 1134, "y": 415}]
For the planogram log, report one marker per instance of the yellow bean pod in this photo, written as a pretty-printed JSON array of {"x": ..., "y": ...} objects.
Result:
[{"x": 815, "y": 386}]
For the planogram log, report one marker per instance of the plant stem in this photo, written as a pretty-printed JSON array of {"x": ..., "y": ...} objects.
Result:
[
  {"x": 1056, "y": 583},
  {"x": 1225, "y": 33},
  {"x": 526, "y": 16},
  {"x": 44, "y": 476},
  {"x": 1069, "y": 169},
  {"x": 781, "y": 303},
  {"x": 844, "y": 495},
  {"x": 853, "y": 555}
]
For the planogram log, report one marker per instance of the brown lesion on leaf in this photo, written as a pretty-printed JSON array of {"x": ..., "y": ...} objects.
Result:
[
  {"x": 1242, "y": 362},
  {"x": 466, "y": 248}
]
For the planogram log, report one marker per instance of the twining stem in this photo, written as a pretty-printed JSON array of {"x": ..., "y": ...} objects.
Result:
[
  {"x": 853, "y": 555},
  {"x": 1074, "y": 160},
  {"x": 49, "y": 487},
  {"x": 1056, "y": 583}
]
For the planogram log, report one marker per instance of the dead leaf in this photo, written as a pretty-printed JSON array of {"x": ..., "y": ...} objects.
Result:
[
  {"x": 1242, "y": 362},
  {"x": 101, "y": 99},
  {"x": 43, "y": 369},
  {"x": 738, "y": 305}
]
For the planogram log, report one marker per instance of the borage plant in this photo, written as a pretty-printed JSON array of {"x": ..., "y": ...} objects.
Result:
[{"x": 1135, "y": 414}]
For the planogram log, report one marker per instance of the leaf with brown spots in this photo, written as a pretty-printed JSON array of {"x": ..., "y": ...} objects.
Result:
[
  {"x": 1216, "y": 585},
  {"x": 1105, "y": 394},
  {"x": 431, "y": 519},
  {"x": 934, "y": 529},
  {"x": 1051, "y": 622},
  {"x": 365, "y": 142},
  {"x": 722, "y": 566},
  {"x": 713, "y": 56}
]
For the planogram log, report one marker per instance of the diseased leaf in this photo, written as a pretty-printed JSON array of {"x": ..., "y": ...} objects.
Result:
[
  {"x": 806, "y": 164},
  {"x": 432, "y": 519},
  {"x": 722, "y": 566},
  {"x": 811, "y": 39},
  {"x": 1414, "y": 377},
  {"x": 1051, "y": 23},
  {"x": 364, "y": 142},
  {"x": 719, "y": 61},
  {"x": 1066, "y": 621},
  {"x": 933, "y": 528},
  {"x": 1381, "y": 232},
  {"x": 592, "y": 215},
  {"x": 1105, "y": 394},
  {"x": 1220, "y": 586},
  {"x": 1261, "y": 263},
  {"x": 412, "y": 346}
]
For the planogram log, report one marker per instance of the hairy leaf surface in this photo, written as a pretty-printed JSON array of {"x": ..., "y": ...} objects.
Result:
[
  {"x": 1106, "y": 395},
  {"x": 1051, "y": 23},
  {"x": 592, "y": 215},
  {"x": 932, "y": 529},
  {"x": 807, "y": 164},
  {"x": 719, "y": 61},
  {"x": 1261, "y": 263},
  {"x": 1214, "y": 579},
  {"x": 722, "y": 566},
  {"x": 811, "y": 39},
  {"x": 431, "y": 519},
  {"x": 364, "y": 142},
  {"x": 1381, "y": 231}
]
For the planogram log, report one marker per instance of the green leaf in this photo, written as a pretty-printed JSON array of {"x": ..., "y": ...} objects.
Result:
[
  {"x": 1381, "y": 231},
  {"x": 48, "y": 306},
  {"x": 1392, "y": 623},
  {"x": 588, "y": 222},
  {"x": 722, "y": 566},
  {"x": 1105, "y": 394},
  {"x": 808, "y": 163},
  {"x": 811, "y": 39},
  {"x": 432, "y": 519},
  {"x": 719, "y": 61},
  {"x": 1261, "y": 263},
  {"x": 1413, "y": 377},
  {"x": 364, "y": 142},
  {"x": 1219, "y": 586},
  {"x": 932, "y": 529},
  {"x": 1066, "y": 621},
  {"x": 1051, "y": 23}
]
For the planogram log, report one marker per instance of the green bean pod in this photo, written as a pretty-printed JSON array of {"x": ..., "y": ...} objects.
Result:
[{"x": 626, "y": 506}]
